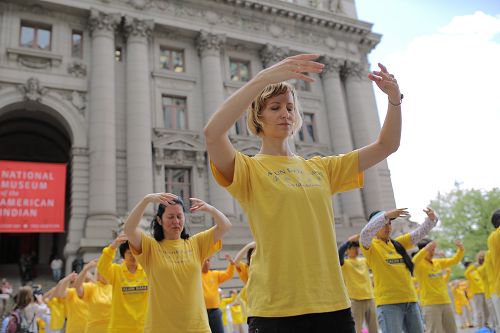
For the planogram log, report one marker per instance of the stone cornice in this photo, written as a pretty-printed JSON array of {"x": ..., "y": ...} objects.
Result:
[{"x": 135, "y": 27}]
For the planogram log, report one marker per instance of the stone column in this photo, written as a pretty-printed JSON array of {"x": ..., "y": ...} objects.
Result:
[
  {"x": 365, "y": 128},
  {"x": 209, "y": 49},
  {"x": 102, "y": 130},
  {"x": 138, "y": 111},
  {"x": 340, "y": 132}
]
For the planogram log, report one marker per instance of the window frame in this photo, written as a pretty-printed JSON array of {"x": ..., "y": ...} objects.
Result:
[
  {"x": 239, "y": 62},
  {"x": 171, "y": 50},
  {"x": 173, "y": 118},
  {"x": 36, "y": 26}
]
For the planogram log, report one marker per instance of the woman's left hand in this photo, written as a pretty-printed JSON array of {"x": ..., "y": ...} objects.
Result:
[
  {"x": 387, "y": 83},
  {"x": 199, "y": 205}
]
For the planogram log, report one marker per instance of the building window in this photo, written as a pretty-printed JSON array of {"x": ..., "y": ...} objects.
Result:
[
  {"x": 178, "y": 181},
  {"x": 77, "y": 44},
  {"x": 240, "y": 70},
  {"x": 174, "y": 112},
  {"x": 172, "y": 60},
  {"x": 36, "y": 36},
  {"x": 307, "y": 132},
  {"x": 241, "y": 126}
]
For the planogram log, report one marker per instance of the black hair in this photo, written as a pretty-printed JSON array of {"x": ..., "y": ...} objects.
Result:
[
  {"x": 157, "y": 229},
  {"x": 467, "y": 263},
  {"x": 123, "y": 248},
  {"x": 352, "y": 244},
  {"x": 495, "y": 218},
  {"x": 423, "y": 243},
  {"x": 249, "y": 255}
]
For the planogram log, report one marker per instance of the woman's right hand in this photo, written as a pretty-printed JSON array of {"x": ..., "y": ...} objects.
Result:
[
  {"x": 122, "y": 238},
  {"x": 400, "y": 212},
  {"x": 292, "y": 68},
  {"x": 161, "y": 198}
]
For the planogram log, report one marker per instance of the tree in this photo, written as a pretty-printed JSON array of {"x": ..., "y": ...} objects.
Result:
[{"x": 465, "y": 214}]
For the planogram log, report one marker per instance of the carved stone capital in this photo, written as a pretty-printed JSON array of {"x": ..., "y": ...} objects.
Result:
[
  {"x": 100, "y": 21},
  {"x": 32, "y": 90},
  {"x": 271, "y": 54},
  {"x": 353, "y": 70},
  {"x": 333, "y": 66},
  {"x": 207, "y": 42},
  {"x": 135, "y": 27}
]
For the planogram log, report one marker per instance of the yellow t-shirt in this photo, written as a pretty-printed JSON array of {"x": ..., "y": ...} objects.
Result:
[
  {"x": 459, "y": 298},
  {"x": 129, "y": 295},
  {"x": 243, "y": 272},
  {"x": 494, "y": 248},
  {"x": 288, "y": 201},
  {"x": 430, "y": 276},
  {"x": 392, "y": 279},
  {"x": 223, "y": 307},
  {"x": 237, "y": 314},
  {"x": 476, "y": 285},
  {"x": 211, "y": 281},
  {"x": 173, "y": 267},
  {"x": 490, "y": 273},
  {"x": 77, "y": 312},
  {"x": 57, "y": 313},
  {"x": 98, "y": 297},
  {"x": 357, "y": 279}
]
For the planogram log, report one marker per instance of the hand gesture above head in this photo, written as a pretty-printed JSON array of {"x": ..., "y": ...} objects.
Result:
[
  {"x": 395, "y": 213},
  {"x": 292, "y": 68},
  {"x": 387, "y": 83},
  {"x": 430, "y": 214}
]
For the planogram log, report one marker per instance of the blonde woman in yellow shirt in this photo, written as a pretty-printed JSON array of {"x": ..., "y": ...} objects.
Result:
[
  {"x": 172, "y": 260},
  {"x": 129, "y": 287},
  {"x": 359, "y": 285},
  {"x": 392, "y": 268},
  {"x": 434, "y": 298},
  {"x": 295, "y": 282},
  {"x": 211, "y": 280}
]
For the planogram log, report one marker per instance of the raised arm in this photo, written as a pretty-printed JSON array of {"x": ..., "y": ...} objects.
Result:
[
  {"x": 431, "y": 246},
  {"x": 424, "y": 229},
  {"x": 105, "y": 262},
  {"x": 78, "y": 285},
  {"x": 242, "y": 253},
  {"x": 219, "y": 147},
  {"x": 229, "y": 272},
  {"x": 343, "y": 247},
  {"x": 376, "y": 223},
  {"x": 222, "y": 224},
  {"x": 447, "y": 262},
  {"x": 131, "y": 227},
  {"x": 63, "y": 284},
  {"x": 390, "y": 134}
]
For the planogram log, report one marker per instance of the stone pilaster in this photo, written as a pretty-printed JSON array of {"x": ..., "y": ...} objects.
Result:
[
  {"x": 209, "y": 48},
  {"x": 138, "y": 111},
  {"x": 340, "y": 131},
  {"x": 102, "y": 130}
]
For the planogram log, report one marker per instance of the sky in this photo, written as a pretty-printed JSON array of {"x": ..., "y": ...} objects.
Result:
[{"x": 446, "y": 57}]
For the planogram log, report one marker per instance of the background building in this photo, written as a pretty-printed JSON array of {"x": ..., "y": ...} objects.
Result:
[{"x": 120, "y": 90}]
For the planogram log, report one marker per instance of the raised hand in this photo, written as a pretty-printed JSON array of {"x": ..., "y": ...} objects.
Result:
[
  {"x": 162, "y": 198},
  {"x": 431, "y": 246},
  {"x": 430, "y": 214},
  {"x": 395, "y": 213},
  {"x": 199, "y": 205},
  {"x": 354, "y": 238},
  {"x": 459, "y": 245},
  {"x": 292, "y": 68},
  {"x": 387, "y": 83},
  {"x": 229, "y": 259},
  {"x": 122, "y": 238}
]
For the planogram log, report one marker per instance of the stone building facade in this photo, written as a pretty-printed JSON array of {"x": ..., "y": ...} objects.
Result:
[{"x": 120, "y": 91}]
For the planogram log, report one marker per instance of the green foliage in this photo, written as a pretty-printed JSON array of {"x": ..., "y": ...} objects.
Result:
[{"x": 465, "y": 214}]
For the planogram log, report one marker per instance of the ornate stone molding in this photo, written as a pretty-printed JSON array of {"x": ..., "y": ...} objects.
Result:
[
  {"x": 33, "y": 58},
  {"x": 333, "y": 66},
  {"x": 77, "y": 99},
  {"x": 135, "y": 27},
  {"x": 32, "y": 90},
  {"x": 208, "y": 42},
  {"x": 100, "y": 21},
  {"x": 271, "y": 54},
  {"x": 77, "y": 69}
]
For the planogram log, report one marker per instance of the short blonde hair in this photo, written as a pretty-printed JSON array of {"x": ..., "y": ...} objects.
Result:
[{"x": 254, "y": 113}]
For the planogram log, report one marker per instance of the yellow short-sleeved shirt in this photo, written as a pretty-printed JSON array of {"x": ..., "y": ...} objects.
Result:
[
  {"x": 288, "y": 203},
  {"x": 476, "y": 285},
  {"x": 211, "y": 281},
  {"x": 129, "y": 294},
  {"x": 57, "y": 313},
  {"x": 430, "y": 277},
  {"x": 392, "y": 279},
  {"x": 243, "y": 272},
  {"x": 98, "y": 296},
  {"x": 490, "y": 273},
  {"x": 77, "y": 312},
  {"x": 357, "y": 279},
  {"x": 494, "y": 248},
  {"x": 177, "y": 306}
]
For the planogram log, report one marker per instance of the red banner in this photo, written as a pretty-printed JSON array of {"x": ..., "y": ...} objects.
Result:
[{"x": 32, "y": 197}]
